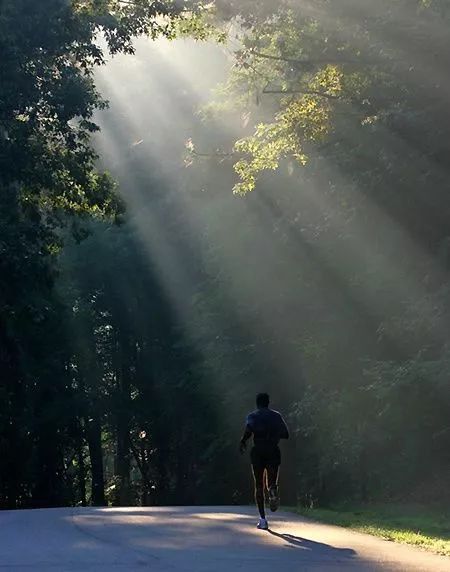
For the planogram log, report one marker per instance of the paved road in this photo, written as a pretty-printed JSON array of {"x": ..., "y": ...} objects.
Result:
[{"x": 198, "y": 539}]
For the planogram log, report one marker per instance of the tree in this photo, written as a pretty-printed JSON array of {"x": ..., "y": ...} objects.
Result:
[
  {"x": 352, "y": 105},
  {"x": 48, "y": 181}
]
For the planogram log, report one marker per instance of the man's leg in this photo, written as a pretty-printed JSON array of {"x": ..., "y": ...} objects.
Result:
[
  {"x": 272, "y": 485},
  {"x": 258, "y": 475}
]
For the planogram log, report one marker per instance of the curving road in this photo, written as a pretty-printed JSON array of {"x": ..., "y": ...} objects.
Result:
[{"x": 192, "y": 539}]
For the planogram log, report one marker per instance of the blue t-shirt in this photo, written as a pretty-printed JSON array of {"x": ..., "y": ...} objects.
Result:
[{"x": 267, "y": 426}]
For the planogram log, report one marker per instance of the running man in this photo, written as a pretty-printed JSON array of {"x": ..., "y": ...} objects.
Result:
[{"x": 267, "y": 427}]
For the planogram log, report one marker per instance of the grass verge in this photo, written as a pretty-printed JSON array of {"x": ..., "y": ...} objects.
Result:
[{"x": 422, "y": 527}]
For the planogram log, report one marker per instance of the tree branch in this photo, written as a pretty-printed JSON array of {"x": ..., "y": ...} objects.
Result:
[
  {"x": 314, "y": 61},
  {"x": 141, "y": 468},
  {"x": 176, "y": 9},
  {"x": 302, "y": 91}
]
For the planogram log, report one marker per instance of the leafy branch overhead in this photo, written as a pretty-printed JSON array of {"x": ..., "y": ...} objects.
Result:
[{"x": 310, "y": 64}]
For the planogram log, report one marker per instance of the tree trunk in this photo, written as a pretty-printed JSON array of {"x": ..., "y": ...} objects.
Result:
[
  {"x": 11, "y": 449},
  {"x": 122, "y": 360},
  {"x": 123, "y": 460},
  {"x": 81, "y": 469},
  {"x": 94, "y": 439}
]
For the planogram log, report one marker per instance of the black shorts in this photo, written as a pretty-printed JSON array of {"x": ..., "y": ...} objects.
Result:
[{"x": 263, "y": 457}]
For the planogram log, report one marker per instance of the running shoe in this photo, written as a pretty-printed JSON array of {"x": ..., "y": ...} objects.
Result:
[
  {"x": 274, "y": 499},
  {"x": 262, "y": 524}
]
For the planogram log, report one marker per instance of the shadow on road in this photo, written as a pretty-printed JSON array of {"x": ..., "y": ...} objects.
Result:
[{"x": 318, "y": 547}]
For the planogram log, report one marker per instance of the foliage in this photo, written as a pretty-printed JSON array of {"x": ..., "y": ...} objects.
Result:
[
  {"x": 310, "y": 66},
  {"x": 49, "y": 181},
  {"x": 356, "y": 101}
]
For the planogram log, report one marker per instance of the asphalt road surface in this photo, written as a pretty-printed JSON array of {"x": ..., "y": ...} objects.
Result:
[{"x": 192, "y": 539}]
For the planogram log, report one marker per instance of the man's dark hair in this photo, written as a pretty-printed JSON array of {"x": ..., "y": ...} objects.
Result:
[{"x": 262, "y": 400}]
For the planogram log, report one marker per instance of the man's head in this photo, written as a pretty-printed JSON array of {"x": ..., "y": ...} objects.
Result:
[{"x": 262, "y": 400}]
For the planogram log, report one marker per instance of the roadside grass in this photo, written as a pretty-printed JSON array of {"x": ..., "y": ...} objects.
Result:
[{"x": 409, "y": 524}]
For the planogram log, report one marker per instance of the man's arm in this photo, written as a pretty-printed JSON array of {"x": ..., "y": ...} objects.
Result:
[
  {"x": 245, "y": 437},
  {"x": 284, "y": 431}
]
